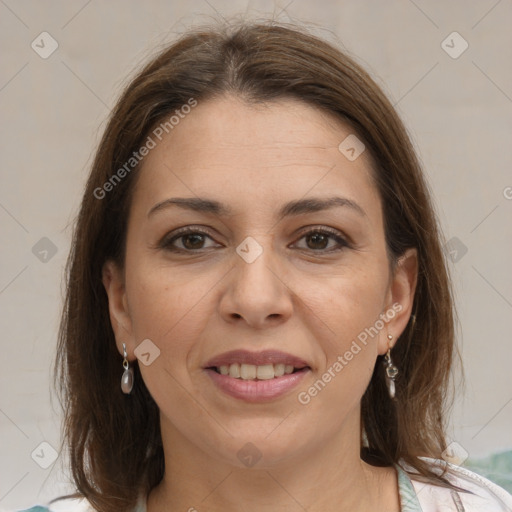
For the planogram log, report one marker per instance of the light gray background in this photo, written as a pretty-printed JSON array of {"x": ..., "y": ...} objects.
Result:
[{"x": 458, "y": 112}]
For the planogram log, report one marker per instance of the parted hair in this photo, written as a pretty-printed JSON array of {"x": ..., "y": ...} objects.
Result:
[{"x": 113, "y": 440}]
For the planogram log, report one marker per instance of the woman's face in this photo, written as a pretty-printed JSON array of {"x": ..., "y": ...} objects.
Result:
[{"x": 272, "y": 275}]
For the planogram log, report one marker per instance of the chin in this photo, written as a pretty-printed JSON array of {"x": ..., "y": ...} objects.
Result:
[{"x": 257, "y": 449}]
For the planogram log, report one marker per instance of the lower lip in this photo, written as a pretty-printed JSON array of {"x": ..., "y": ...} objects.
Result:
[{"x": 256, "y": 391}]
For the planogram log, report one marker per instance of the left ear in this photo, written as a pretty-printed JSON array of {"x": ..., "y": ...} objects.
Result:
[
  {"x": 120, "y": 319},
  {"x": 400, "y": 298}
]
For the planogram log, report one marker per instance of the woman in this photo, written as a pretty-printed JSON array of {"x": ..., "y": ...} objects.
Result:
[{"x": 259, "y": 315}]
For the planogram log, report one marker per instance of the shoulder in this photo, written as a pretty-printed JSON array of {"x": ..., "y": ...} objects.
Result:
[{"x": 483, "y": 494}]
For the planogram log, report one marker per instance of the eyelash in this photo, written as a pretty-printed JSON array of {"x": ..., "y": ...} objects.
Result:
[{"x": 166, "y": 242}]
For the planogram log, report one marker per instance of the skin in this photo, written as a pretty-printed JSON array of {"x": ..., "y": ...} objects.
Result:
[{"x": 296, "y": 297}]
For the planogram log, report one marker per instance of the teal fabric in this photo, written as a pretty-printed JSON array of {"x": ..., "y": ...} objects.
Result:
[
  {"x": 408, "y": 498},
  {"x": 496, "y": 467}
]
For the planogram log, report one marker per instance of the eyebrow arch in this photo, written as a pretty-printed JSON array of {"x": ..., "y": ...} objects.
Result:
[{"x": 291, "y": 208}]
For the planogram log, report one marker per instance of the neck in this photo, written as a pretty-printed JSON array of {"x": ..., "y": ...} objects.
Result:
[{"x": 331, "y": 477}]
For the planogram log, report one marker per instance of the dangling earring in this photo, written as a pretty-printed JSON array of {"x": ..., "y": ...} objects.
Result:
[
  {"x": 127, "y": 378},
  {"x": 391, "y": 371}
]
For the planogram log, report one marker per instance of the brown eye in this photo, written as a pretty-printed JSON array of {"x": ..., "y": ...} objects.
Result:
[
  {"x": 186, "y": 240},
  {"x": 193, "y": 241},
  {"x": 317, "y": 240}
]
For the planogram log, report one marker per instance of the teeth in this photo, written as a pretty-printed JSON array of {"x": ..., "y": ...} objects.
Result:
[
  {"x": 265, "y": 372},
  {"x": 234, "y": 370},
  {"x": 251, "y": 371},
  {"x": 247, "y": 371},
  {"x": 278, "y": 370}
]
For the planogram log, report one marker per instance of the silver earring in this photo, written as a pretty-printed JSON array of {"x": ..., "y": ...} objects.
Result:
[
  {"x": 391, "y": 371},
  {"x": 127, "y": 378}
]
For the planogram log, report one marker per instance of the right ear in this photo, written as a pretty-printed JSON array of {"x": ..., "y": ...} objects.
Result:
[{"x": 114, "y": 283}]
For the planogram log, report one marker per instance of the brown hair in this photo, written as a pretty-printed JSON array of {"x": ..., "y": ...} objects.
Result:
[{"x": 114, "y": 440}]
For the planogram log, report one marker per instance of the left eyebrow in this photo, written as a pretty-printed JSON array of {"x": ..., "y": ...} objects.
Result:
[
  {"x": 292, "y": 208},
  {"x": 315, "y": 204}
]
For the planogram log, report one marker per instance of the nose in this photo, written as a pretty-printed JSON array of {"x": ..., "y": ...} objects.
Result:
[{"x": 255, "y": 289}]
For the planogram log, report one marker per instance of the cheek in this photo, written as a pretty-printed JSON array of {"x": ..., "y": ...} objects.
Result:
[
  {"x": 158, "y": 298},
  {"x": 346, "y": 312},
  {"x": 171, "y": 312},
  {"x": 170, "y": 309},
  {"x": 346, "y": 305},
  {"x": 348, "y": 356}
]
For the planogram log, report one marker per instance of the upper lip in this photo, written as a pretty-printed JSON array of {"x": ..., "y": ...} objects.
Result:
[{"x": 256, "y": 358}]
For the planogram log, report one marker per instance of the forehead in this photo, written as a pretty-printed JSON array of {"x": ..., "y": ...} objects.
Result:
[{"x": 254, "y": 153}]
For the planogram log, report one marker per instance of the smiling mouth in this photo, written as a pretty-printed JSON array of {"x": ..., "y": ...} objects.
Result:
[{"x": 257, "y": 372}]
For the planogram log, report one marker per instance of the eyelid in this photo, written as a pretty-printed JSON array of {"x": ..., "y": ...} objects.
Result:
[
  {"x": 342, "y": 240},
  {"x": 178, "y": 233},
  {"x": 327, "y": 230}
]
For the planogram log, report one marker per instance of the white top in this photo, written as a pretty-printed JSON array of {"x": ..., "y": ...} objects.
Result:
[
  {"x": 415, "y": 496},
  {"x": 486, "y": 497}
]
